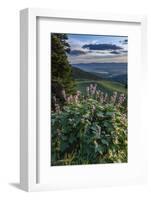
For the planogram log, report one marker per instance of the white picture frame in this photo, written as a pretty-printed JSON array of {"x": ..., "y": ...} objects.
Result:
[{"x": 29, "y": 148}]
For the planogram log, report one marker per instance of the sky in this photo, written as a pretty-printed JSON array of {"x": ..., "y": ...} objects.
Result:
[{"x": 97, "y": 48}]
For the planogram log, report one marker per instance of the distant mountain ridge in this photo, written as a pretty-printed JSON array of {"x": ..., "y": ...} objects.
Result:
[
  {"x": 100, "y": 63},
  {"x": 120, "y": 78},
  {"x": 109, "y": 71},
  {"x": 81, "y": 74}
]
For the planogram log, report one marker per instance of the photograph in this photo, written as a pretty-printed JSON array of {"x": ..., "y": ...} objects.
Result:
[{"x": 89, "y": 99}]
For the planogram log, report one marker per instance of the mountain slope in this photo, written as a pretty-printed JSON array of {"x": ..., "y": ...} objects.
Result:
[
  {"x": 80, "y": 74},
  {"x": 120, "y": 78},
  {"x": 102, "y": 85}
]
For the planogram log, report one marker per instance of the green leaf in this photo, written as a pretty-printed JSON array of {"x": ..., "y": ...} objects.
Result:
[
  {"x": 107, "y": 124},
  {"x": 109, "y": 114},
  {"x": 100, "y": 114},
  {"x": 105, "y": 142},
  {"x": 99, "y": 149},
  {"x": 94, "y": 128}
]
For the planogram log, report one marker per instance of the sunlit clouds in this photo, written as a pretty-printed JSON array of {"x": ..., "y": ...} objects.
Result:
[{"x": 97, "y": 49}]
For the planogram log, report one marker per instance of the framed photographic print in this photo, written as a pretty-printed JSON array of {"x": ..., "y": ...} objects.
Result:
[{"x": 82, "y": 78}]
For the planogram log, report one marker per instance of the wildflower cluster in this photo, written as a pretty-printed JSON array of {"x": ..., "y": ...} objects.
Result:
[
  {"x": 89, "y": 129},
  {"x": 93, "y": 93}
]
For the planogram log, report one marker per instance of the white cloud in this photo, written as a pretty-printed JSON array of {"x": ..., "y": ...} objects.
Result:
[
  {"x": 96, "y": 56},
  {"x": 77, "y": 44},
  {"x": 97, "y": 59}
]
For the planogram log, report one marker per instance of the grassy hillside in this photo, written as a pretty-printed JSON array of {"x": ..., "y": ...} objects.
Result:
[
  {"x": 120, "y": 78},
  {"x": 113, "y": 86},
  {"x": 103, "y": 85},
  {"x": 80, "y": 74},
  {"x": 84, "y": 79}
]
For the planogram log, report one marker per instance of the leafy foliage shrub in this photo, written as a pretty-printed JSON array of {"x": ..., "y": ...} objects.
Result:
[{"x": 89, "y": 130}]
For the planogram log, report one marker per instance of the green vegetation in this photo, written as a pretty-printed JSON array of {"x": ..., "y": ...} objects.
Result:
[
  {"x": 84, "y": 79},
  {"x": 103, "y": 85},
  {"x": 90, "y": 130},
  {"x": 113, "y": 86}
]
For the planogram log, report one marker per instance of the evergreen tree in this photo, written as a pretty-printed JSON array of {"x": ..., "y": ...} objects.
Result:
[{"x": 61, "y": 70}]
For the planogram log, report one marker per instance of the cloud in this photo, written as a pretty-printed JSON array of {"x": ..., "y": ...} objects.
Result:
[
  {"x": 88, "y": 51},
  {"x": 78, "y": 44},
  {"x": 115, "y": 52},
  {"x": 88, "y": 58},
  {"x": 124, "y": 51},
  {"x": 77, "y": 52},
  {"x": 102, "y": 47},
  {"x": 124, "y": 41}
]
